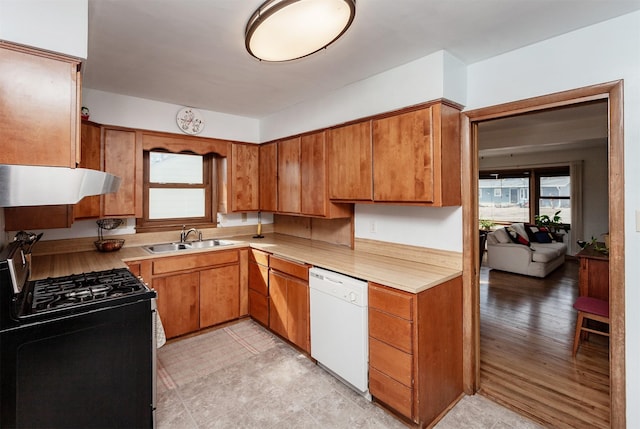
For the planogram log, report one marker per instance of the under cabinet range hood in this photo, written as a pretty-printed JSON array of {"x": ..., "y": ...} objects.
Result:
[{"x": 28, "y": 185}]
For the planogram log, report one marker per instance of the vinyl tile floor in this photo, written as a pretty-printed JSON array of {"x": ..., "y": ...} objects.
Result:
[{"x": 242, "y": 376}]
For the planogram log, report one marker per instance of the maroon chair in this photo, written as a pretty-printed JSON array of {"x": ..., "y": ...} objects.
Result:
[{"x": 590, "y": 309}]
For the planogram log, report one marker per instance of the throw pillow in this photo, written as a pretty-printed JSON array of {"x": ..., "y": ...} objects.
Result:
[
  {"x": 543, "y": 237},
  {"x": 515, "y": 237},
  {"x": 531, "y": 231}
]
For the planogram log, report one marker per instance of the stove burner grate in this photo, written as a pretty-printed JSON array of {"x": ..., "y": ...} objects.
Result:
[{"x": 53, "y": 293}]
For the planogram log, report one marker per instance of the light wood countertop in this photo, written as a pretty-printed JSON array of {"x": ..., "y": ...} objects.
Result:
[{"x": 402, "y": 274}]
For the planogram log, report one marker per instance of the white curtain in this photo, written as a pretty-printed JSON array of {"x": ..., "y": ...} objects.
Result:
[{"x": 577, "y": 227}]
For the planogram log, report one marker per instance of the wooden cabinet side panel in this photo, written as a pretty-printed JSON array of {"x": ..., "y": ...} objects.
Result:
[
  {"x": 298, "y": 322},
  {"x": 178, "y": 303},
  {"x": 313, "y": 170},
  {"x": 244, "y": 281},
  {"x": 289, "y": 175},
  {"x": 439, "y": 348},
  {"x": 120, "y": 159},
  {"x": 38, "y": 108},
  {"x": 350, "y": 162},
  {"x": 219, "y": 295},
  {"x": 268, "y": 177},
  {"x": 403, "y": 167},
  {"x": 278, "y": 304},
  {"x": 448, "y": 146},
  {"x": 245, "y": 176}
]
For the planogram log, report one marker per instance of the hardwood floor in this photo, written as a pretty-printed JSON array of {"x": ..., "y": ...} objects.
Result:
[{"x": 526, "y": 338}]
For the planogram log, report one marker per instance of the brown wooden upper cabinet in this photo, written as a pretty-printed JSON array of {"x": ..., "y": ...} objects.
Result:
[
  {"x": 350, "y": 162},
  {"x": 410, "y": 157},
  {"x": 39, "y": 112},
  {"x": 244, "y": 177},
  {"x": 122, "y": 153},
  {"x": 269, "y": 177},
  {"x": 89, "y": 207},
  {"x": 302, "y": 178}
]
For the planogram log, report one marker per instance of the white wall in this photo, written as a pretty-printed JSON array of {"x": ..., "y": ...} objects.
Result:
[
  {"x": 595, "y": 182},
  {"x": 601, "y": 53},
  {"x": 114, "y": 109},
  {"x": 54, "y": 25},
  {"x": 435, "y": 76}
]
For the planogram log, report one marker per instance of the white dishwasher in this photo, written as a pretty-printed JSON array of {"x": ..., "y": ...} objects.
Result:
[{"x": 339, "y": 326}]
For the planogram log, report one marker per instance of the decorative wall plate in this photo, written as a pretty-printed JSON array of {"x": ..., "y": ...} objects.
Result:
[{"x": 189, "y": 120}]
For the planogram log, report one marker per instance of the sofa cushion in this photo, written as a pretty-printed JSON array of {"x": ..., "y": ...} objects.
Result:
[
  {"x": 501, "y": 236},
  {"x": 544, "y": 255}
]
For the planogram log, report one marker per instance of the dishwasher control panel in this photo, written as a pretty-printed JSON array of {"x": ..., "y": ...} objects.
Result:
[{"x": 343, "y": 287}]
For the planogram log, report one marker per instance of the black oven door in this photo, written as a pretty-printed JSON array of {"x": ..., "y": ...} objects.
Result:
[{"x": 91, "y": 370}]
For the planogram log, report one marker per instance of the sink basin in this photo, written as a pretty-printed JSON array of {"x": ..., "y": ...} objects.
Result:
[
  {"x": 168, "y": 247},
  {"x": 205, "y": 244},
  {"x": 173, "y": 247}
]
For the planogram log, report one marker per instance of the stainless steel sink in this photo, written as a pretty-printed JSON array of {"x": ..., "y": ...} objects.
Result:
[
  {"x": 174, "y": 247},
  {"x": 168, "y": 247},
  {"x": 204, "y": 244}
]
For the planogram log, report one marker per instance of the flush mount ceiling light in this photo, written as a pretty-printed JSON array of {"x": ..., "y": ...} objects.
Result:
[{"x": 283, "y": 30}]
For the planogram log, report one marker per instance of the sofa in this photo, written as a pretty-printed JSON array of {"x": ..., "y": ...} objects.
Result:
[{"x": 524, "y": 249}]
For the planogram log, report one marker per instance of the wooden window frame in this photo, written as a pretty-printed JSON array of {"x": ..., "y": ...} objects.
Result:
[{"x": 209, "y": 220}]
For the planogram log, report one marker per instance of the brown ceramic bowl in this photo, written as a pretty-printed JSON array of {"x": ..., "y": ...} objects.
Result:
[{"x": 108, "y": 245}]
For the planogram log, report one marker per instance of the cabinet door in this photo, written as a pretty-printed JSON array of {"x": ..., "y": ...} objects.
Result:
[
  {"x": 278, "y": 303},
  {"x": 219, "y": 295},
  {"x": 123, "y": 158},
  {"x": 269, "y": 177},
  {"x": 89, "y": 207},
  {"x": 39, "y": 111},
  {"x": 244, "y": 177},
  {"x": 403, "y": 151},
  {"x": 298, "y": 328},
  {"x": 350, "y": 161},
  {"x": 313, "y": 170},
  {"x": 178, "y": 303},
  {"x": 259, "y": 278},
  {"x": 289, "y": 176}
]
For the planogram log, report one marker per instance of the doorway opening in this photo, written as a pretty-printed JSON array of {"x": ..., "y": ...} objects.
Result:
[{"x": 612, "y": 93}]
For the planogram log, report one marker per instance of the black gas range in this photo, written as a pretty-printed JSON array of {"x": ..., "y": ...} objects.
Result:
[{"x": 76, "y": 351}]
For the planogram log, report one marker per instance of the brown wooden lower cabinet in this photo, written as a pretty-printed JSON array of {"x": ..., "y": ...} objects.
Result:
[
  {"x": 195, "y": 290},
  {"x": 289, "y": 301},
  {"x": 259, "y": 286},
  {"x": 415, "y": 349}
]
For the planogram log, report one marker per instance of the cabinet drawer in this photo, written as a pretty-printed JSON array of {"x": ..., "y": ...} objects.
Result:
[
  {"x": 294, "y": 269},
  {"x": 394, "y": 394},
  {"x": 391, "y": 301},
  {"x": 193, "y": 260},
  {"x": 259, "y": 257},
  {"x": 391, "y": 361},
  {"x": 259, "y": 307},
  {"x": 392, "y": 330}
]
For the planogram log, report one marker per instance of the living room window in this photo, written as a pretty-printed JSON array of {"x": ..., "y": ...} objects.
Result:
[
  {"x": 508, "y": 196},
  {"x": 178, "y": 190}
]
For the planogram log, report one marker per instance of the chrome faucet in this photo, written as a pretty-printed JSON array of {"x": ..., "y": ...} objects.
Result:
[{"x": 185, "y": 233}]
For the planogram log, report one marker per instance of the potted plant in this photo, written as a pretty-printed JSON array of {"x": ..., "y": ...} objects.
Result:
[
  {"x": 486, "y": 224},
  {"x": 553, "y": 223}
]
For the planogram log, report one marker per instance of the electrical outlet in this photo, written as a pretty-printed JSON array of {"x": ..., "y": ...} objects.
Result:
[
  {"x": 372, "y": 227},
  {"x": 244, "y": 217}
]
